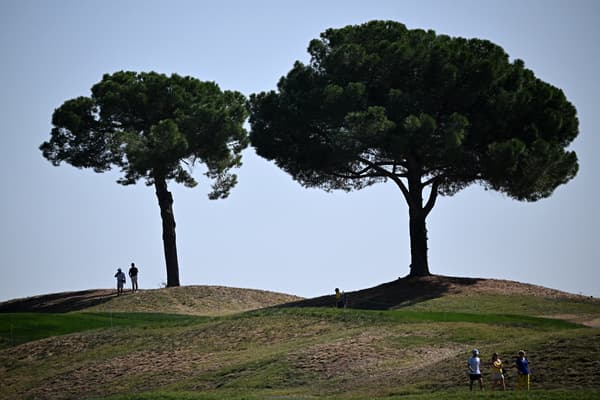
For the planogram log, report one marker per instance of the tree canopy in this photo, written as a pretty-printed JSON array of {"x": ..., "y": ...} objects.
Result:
[
  {"x": 379, "y": 101},
  {"x": 156, "y": 128}
]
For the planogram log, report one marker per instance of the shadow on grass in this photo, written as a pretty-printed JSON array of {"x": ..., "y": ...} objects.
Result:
[
  {"x": 59, "y": 302},
  {"x": 399, "y": 293}
]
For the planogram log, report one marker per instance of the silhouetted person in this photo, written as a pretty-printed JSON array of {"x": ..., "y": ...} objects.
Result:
[
  {"x": 338, "y": 298},
  {"x": 120, "y": 280},
  {"x": 133, "y": 275}
]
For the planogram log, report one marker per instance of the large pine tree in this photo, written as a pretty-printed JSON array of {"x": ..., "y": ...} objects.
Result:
[
  {"x": 153, "y": 127},
  {"x": 431, "y": 113}
]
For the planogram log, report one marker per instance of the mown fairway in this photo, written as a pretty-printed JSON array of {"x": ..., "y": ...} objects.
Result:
[{"x": 416, "y": 352}]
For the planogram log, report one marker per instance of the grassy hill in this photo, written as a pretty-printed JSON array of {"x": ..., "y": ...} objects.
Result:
[
  {"x": 394, "y": 344},
  {"x": 194, "y": 300}
]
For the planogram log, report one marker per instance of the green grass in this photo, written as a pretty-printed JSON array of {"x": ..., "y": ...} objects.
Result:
[
  {"x": 410, "y": 316},
  {"x": 514, "y": 304},
  {"x": 17, "y": 328}
]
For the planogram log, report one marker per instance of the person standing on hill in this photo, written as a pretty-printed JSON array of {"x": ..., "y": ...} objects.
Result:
[
  {"x": 120, "y": 281},
  {"x": 338, "y": 298},
  {"x": 474, "y": 365},
  {"x": 498, "y": 374},
  {"x": 522, "y": 364},
  {"x": 133, "y": 275}
]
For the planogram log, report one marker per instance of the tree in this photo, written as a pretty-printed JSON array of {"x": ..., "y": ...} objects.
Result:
[
  {"x": 155, "y": 128},
  {"x": 432, "y": 113}
]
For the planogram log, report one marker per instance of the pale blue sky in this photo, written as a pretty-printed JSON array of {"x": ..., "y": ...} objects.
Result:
[{"x": 67, "y": 229}]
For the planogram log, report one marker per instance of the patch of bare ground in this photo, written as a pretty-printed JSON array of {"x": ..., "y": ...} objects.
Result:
[
  {"x": 45, "y": 348},
  {"x": 592, "y": 323},
  {"x": 342, "y": 356},
  {"x": 363, "y": 361},
  {"x": 136, "y": 371},
  {"x": 100, "y": 373},
  {"x": 589, "y": 320},
  {"x": 509, "y": 288}
]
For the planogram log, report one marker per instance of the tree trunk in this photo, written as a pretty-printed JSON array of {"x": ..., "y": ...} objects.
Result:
[
  {"x": 418, "y": 243},
  {"x": 165, "y": 202},
  {"x": 418, "y": 231}
]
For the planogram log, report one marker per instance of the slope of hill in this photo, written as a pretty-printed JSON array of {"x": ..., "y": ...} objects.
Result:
[
  {"x": 409, "y": 291},
  {"x": 476, "y": 295},
  {"x": 415, "y": 349}
]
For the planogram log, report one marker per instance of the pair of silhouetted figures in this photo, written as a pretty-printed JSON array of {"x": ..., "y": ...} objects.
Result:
[{"x": 133, "y": 275}]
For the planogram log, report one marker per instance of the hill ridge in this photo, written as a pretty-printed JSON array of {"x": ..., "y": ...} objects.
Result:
[
  {"x": 218, "y": 299},
  {"x": 192, "y": 299}
]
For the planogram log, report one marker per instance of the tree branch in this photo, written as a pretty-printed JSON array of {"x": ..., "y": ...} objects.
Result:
[
  {"x": 432, "y": 180},
  {"x": 437, "y": 181},
  {"x": 376, "y": 166},
  {"x": 352, "y": 175},
  {"x": 389, "y": 174}
]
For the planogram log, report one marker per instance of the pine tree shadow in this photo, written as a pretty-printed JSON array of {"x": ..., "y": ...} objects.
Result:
[
  {"x": 58, "y": 302},
  {"x": 396, "y": 294}
]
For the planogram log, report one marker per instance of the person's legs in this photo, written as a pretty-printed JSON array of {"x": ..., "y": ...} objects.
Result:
[
  {"x": 499, "y": 381},
  {"x": 473, "y": 378}
]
